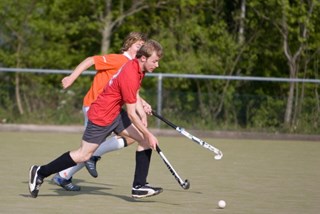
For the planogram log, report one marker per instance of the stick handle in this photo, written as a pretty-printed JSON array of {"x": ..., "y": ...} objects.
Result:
[
  {"x": 190, "y": 136},
  {"x": 163, "y": 119}
]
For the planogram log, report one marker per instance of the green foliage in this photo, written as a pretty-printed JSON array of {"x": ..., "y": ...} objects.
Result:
[
  {"x": 266, "y": 112},
  {"x": 198, "y": 37}
]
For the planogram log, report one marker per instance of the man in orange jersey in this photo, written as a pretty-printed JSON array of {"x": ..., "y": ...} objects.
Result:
[{"x": 106, "y": 66}]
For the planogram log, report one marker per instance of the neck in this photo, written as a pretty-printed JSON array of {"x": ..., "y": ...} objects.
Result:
[
  {"x": 127, "y": 54},
  {"x": 141, "y": 66}
]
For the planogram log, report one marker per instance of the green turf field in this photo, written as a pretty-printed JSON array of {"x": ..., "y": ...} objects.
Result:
[{"x": 254, "y": 177}]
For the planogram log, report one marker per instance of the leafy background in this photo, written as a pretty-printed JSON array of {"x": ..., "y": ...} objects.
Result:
[{"x": 276, "y": 38}]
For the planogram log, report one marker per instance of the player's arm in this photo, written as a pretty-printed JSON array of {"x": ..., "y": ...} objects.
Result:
[
  {"x": 140, "y": 110},
  {"x": 84, "y": 65},
  {"x": 135, "y": 119}
]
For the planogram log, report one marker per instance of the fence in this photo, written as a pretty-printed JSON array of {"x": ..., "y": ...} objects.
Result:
[{"x": 161, "y": 76}]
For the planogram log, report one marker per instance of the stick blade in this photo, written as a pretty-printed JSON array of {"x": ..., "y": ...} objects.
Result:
[
  {"x": 218, "y": 156},
  {"x": 186, "y": 184}
]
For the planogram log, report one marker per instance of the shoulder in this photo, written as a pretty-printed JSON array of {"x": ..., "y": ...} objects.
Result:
[
  {"x": 132, "y": 64},
  {"x": 111, "y": 57},
  {"x": 117, "y": 57}
]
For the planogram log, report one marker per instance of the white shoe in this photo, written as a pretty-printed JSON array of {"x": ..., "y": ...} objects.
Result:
[
  {"x": 35, "y": 181},
  {"x": 145, "y": 191}
]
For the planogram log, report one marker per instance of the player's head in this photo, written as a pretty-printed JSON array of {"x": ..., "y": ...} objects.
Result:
[
  {"x": 134, "y": 38},
  {"x": 149, "y": 55},
  {"x": 150, "y": 47}
]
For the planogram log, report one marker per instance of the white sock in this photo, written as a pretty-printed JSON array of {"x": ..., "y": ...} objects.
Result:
[
  {"x": 68, "y": 173},
  {"x": 109, "y": 145}
]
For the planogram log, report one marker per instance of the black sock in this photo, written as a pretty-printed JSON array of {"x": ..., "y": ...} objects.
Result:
[
  {"x": 63, "y": 162},
  {"x": 124, "y": 142},
  {"x": 142, "y": 167}
]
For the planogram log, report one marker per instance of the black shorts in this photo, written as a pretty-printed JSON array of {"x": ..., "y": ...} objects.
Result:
[{"x": 97, "y": 134}]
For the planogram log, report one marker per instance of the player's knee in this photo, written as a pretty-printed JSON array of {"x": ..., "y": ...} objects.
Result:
[
  {"x": 84, "y": 156},
  {"x": 130, "y": 141},
  {"x": 87, "y": 156},
  {"x": 144, "y": 144}
]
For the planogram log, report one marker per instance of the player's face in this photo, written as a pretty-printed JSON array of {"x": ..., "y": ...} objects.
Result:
[
  {"x": 151, "y": 63},
  {"x": 135, "y": 47}
]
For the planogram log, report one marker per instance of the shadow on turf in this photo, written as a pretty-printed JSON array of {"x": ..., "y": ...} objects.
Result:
[
  {"x": 85, "y": 190},
  {"x": 93, "y": 190}
]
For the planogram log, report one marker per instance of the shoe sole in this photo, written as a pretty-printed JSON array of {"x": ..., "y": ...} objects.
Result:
[
  {"x": 146, "y": 196},
  {"x": 71, "y": 190}
]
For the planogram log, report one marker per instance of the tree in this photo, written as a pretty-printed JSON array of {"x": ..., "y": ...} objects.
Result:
[
  {"x": 16, "y": 36},
  {"x": 34, "y": 36},
  {"x": 300, "y": 20},
  {"x": 293, "y": 20},
  {"x": 197, "y": 40},
  {"x": 111, "y": 14}
]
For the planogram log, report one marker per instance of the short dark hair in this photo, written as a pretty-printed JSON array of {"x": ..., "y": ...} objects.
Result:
[{"x": 148, "y": 48}]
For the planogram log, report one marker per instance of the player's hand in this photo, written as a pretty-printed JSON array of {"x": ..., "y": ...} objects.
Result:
[
  {"x": 67, "y": 82},
  {"x": 147, "y": 108},
  {"x": 153, "y": 141}
]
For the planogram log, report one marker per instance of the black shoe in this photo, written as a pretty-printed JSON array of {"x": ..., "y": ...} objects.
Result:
[
  {"x": 91, "y": 166},
  {"x": 35, "y": 181},
  {"x": 145, "y": 191},
  {"x": 65, "y": 184}
]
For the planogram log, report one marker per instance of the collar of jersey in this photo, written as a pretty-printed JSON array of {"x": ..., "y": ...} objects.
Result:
[{"x": 127, "y": 55}]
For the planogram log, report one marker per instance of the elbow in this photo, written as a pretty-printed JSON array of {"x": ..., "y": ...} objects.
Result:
[{"x": 89, "y": 61}]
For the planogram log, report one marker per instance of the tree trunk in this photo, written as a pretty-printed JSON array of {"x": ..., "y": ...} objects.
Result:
[
  {"x": 110, "y": 23},
  {"x": 293, "y": 59},
  {"x": 107, "y": 27},
  {"x": 287, "y": 118},
  {"x": 106, "y": 34},
  {"x": 17, "y": 79},
  {"x": 242, "y": 20},
  {"x": 17, "y": 93}
]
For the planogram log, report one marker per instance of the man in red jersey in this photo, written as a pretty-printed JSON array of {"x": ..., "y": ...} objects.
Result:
[
  {"x": 106, "y": 115},
  {"x": 106, "y": 66}
]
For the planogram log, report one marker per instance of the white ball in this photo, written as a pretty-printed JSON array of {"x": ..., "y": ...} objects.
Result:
[{"x": 222, "y": 204}]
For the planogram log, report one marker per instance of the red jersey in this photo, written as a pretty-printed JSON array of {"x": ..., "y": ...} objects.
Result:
[
  {"x": 121, "y": 89},
  {"x": 106, "y": 66}
]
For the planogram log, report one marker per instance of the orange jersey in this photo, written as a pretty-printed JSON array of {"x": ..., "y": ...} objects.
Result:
[{"x": 106, "y": 66}]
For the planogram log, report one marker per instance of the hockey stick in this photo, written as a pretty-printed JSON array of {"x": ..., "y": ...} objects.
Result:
[
  {"x": 184, "y": 184},
  {"x": 204, "y": 144}
]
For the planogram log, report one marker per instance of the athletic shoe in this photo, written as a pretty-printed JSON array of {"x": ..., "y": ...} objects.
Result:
[
  {"x": 145, "y": 191},
  {"x": 91, "y": 166},
  {"x": 35, "y": 181},
  {"x": 65, "y": 184}
]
